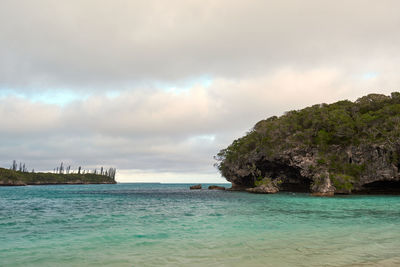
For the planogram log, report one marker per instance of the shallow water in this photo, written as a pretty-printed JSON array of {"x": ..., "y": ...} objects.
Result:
[{"x": 169, "y": 225}]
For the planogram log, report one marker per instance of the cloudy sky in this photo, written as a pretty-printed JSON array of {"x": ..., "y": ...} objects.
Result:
[{"x": 155, "y": 88}]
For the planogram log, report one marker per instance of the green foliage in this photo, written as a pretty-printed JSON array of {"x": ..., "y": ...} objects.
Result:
[
  {"x": 343, "y": 182},
  {"x": 262, "y": 181},
  {"x": 329, "y": 128},
  {"x": 266, "y": 181},
  {"x": 321, "y": 161},
  {"x": 338, "y": 165},
  {"x": 323, "y": 138},
  {"x": 11, "y": 176}
]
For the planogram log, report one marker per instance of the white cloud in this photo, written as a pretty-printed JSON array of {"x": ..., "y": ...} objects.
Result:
[
  {"x": 158, "y": 87},
  {"x": 159, "y": 132}
]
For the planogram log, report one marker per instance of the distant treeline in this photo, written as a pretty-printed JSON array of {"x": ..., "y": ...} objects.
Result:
[{"x": 21, "y": 167}]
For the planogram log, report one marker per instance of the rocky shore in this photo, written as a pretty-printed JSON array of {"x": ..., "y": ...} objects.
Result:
[{"x": 341, "y": 148}]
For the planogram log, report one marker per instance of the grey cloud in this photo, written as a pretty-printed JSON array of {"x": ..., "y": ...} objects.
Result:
[
  {"x": 263, "y": 57},
  {"x": 102, "y": 44},
  {"x": 162, "y": 131}
]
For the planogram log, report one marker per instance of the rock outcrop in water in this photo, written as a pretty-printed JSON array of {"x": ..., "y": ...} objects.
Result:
[
  {"x": 216, "y": 187},
  {"x": 265, "y": 186},
  {"x": 344, "y": 147},
  {"x": 194, "y": 187}
]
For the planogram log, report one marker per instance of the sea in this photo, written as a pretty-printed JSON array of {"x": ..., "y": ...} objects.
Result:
[{"x": 170, "y": 225}]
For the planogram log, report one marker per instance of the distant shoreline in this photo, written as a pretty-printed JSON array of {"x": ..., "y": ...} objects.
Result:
[
  {"x": 18, "y": 185},
  {"x": 18, "y": 178}
]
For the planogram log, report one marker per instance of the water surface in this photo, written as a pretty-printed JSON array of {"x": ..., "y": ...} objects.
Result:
[{"x": 169, "y": 225}]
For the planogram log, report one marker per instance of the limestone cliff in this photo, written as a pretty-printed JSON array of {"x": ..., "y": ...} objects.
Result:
[{"x": 344, "y": 147}]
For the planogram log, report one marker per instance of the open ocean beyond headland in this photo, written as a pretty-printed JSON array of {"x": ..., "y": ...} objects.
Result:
[{"x": 169, "y": 225}]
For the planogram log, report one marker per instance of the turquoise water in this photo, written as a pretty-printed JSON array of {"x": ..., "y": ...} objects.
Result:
[{"x": 169, "y": 225}]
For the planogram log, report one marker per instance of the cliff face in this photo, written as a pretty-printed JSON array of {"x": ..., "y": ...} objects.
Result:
[
  {"x": 343, "y": 147},
  {"x": 16, "y": 178}
]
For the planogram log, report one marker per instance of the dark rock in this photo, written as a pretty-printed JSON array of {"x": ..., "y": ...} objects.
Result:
[
  {"x": 216, "y": 187},
  {"x": 236, "y": 187},
  {"x": 198, "y": 186}
]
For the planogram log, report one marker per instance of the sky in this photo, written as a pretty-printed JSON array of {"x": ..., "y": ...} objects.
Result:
[{"x": 156, "y": 88}]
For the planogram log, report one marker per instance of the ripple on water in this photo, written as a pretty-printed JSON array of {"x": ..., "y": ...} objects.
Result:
[{"x": 152, "y": 225}]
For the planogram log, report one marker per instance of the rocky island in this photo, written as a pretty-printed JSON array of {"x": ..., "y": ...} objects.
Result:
[
  {"x": 326, "y": 149},
  {"x": 10, "y": 177}
]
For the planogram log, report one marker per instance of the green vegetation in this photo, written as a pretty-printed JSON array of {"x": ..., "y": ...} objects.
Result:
[
  {"x": 266, "y": 181},
  {"x": 20, "y": 176},
  {"x": 328, "y": 129},
  {"x": 343, "y": 182}
]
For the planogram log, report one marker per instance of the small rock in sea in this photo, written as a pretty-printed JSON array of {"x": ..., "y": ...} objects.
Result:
[
  {"x": 216, "y": 187},
  {"x": 264, "y": 189},
  {"x": 198, "y": 186}
]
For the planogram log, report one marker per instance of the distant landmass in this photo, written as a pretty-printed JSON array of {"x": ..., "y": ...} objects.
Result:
[
  {"x": 345, "y": 147},
  {"x": 21, "y": 177}
]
